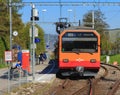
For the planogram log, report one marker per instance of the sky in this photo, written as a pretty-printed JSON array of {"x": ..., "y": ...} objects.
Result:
[{"x": 74, "y": 13}]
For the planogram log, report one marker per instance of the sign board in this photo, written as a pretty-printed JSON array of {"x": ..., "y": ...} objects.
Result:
[
  {"x": 47, "y": 46},
  {"x": 8, "y": 56},
  {"x": 25, "y": 51},
  {"x": 15, "y": 33},
  {"x": 37, "y": 40},
  {"x": 33, "y": 46},
  {"x": 35, "y": 32}
]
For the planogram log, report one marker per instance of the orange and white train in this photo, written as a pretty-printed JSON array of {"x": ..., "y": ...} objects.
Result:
[{"x": 79, "y": 51}]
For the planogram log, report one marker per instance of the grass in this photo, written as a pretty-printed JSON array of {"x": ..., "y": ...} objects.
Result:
[
  {"x": 113, "y": 58},
  {"x": 3, "y": 65}
]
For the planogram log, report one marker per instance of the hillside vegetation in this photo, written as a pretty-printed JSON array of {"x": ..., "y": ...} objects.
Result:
[{"x": 113, "y": 58}]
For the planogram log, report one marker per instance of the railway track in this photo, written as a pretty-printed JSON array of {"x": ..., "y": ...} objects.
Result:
[
  {"x": 114, "y": 88},
  {"x": 106, "y": 84},
  {"x": 76, "y": 87},
  {"x": 92, "y": 86}
]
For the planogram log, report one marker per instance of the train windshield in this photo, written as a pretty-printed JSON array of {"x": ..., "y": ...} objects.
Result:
[{"x": 79, "y": 42}]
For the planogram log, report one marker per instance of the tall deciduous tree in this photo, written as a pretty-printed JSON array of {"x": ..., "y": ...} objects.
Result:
[
  {"x": 24, "y": 40},
  {"x": 100, "y": 26},
  {"x": 5, "y": 24}
]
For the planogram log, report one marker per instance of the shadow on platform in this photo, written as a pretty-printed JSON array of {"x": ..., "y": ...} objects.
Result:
[{"x": 52, "y": 68}]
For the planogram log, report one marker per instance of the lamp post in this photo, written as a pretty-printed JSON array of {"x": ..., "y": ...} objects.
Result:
[
  {"x": 43, "y": 11},
  {"x": 69, "y": 10}
]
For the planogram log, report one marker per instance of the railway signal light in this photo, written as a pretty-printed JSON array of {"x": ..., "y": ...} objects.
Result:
[{"x": 34, "y": 14}]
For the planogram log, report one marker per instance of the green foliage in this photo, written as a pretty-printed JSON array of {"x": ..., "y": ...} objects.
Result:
[
  {"x": 4, "y": 18},
  {"x": 24, "y": 38},
  {"x": 17, "y": 25},
  {"x": 113, "y": 58},
  {"x": 3, "y": 65},
  {"x": 100, "y": 26},
  {"x": 41, "y": 45},
  {"x": 103, "y": 58},
  {"x": 2, "y": 48}
]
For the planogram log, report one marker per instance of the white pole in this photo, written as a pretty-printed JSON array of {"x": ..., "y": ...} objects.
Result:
[
  {"x": 43, "y": 11},
  {"x": 69, "y": 10},
  {"x": 93, "y": 20},
  {"x": 33, "y": 44}
]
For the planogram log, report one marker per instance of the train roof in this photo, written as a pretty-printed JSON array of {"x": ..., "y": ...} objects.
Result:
[{"x": 79, "y": 28}]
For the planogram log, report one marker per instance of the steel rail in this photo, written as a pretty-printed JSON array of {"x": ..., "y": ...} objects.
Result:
[
  {"x": 111, "y": 65},
  {"x": 114, "y": 88},
  {"x": 88, "y": 85},
  {"x": 64, "y": 83},
  {"x": 117, "y": 82}
]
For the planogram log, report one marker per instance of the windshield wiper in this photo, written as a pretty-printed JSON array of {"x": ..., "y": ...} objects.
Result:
[
  {"x": 91, "y": 53},
  {"x": 76, "y": 51}
]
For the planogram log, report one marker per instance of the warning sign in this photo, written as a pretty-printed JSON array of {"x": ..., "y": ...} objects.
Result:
[{"x": 8, "y": 56}]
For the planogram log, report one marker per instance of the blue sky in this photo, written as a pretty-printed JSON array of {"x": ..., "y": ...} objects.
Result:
[{"x": 111, "y": 13}]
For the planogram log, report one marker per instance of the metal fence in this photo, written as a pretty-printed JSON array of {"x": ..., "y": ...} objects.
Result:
[{"x": 10, "y": 80}]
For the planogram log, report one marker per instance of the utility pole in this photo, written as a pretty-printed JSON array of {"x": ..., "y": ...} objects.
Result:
[
  {"x": 34, "y": 17},
  {"x": 93, "y": 20},
  {"x": 10, "y": 13}
]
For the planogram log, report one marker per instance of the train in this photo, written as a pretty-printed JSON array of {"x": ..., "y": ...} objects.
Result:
[{"x": 78, "y": 50}]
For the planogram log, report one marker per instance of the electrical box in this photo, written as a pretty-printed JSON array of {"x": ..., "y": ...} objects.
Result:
[
  {"x": 26, "y": 60},
  {"x": 35, "y": 12}
]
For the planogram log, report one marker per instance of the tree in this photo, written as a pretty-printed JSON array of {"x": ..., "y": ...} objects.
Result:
[
  {"x": 4, "y": 23},
  {"x": 41, "y": 45},
  {"x": 24, "y": 38},
  {"x": 4, "y": 17},
  {"x": 100, "y": 26}
]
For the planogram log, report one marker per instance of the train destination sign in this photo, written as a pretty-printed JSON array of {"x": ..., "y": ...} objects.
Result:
[{"x": 79, "y": 34}]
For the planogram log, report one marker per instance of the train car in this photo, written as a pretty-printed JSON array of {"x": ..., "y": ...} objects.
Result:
[{"x": 79, "y": 51}]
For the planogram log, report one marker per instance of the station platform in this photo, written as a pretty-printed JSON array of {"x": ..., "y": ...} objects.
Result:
[{"x": 45, "y": 72}]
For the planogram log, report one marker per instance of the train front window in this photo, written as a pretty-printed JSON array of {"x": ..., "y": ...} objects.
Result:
[{"x": 79, "y": 42}]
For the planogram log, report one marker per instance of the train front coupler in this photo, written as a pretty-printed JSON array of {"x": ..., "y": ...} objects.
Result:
[{"x": 80, "y": 70}]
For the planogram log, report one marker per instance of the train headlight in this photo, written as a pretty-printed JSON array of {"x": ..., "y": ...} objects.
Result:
[
  {"x": 93, "y": 60},
  {"x": 65, "y": 60}
]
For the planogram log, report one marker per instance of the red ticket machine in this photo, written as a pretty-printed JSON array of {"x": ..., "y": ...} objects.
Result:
[{"x": 26, "y": 60}]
